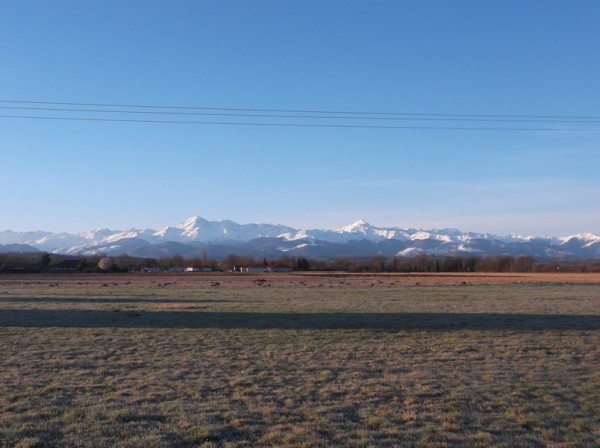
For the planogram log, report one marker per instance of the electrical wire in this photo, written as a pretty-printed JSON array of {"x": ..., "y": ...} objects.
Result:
[
  {"x": 249, "y": 115},
  {"x": 329, "y": 117},
  {"x": 300, "y": 111},
  {"x": 297, "y": 125}
]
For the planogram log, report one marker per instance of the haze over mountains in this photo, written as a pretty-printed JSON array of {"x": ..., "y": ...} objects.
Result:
[{"x": 197, "y": 236}]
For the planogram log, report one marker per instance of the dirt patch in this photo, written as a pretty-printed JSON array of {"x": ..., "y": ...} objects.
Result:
[{"x": 133, "y": 281}]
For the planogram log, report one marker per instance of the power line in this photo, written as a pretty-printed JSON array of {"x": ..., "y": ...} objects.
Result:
[
  {"x": 329, "y": 117},
  {"x": 298, "y": 125},
  {"x": 303, "y": 111}
]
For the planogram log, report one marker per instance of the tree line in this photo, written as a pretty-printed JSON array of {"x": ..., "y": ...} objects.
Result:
[{"x": 13, "y": 262}]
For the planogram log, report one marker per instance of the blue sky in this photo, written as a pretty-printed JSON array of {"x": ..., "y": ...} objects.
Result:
[{"x": 432, "y": 57}]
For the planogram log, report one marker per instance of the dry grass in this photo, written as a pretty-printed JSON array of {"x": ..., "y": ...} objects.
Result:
[{"x": 189, "y": 364}]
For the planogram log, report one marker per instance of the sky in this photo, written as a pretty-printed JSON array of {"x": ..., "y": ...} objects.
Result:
[{"x": 518, "y": 59}]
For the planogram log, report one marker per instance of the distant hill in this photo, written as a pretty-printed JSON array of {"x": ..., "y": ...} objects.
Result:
[{"x": 17, "y": 248}]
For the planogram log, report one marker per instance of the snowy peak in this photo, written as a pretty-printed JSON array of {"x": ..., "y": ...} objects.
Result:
[
  {"x": 197, "y": 229},
  {"x": 192, "y": 222},
  {"x": 360, "y": 226},
  {"x": 588, "y": 238},
  {"x": 362, "y": 229},
  {"x": 191, "y": 228}
]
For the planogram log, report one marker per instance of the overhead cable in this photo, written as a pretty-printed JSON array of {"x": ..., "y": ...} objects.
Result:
[
  {"x": 118, "y": 113},
  {"x": 298, "y": 125}
]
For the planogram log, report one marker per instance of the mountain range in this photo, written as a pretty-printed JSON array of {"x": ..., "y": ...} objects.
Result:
[{"x": 217, "y": 239}]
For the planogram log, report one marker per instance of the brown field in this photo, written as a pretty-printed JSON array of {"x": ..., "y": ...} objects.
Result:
[{"x": 348, "y": 360}]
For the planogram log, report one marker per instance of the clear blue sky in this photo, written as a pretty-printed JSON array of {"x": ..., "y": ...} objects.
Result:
[{"x": 434, "y": 57}]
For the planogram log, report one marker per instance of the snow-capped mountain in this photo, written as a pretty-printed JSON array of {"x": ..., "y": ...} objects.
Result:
[{"x": 196, "y": 235}]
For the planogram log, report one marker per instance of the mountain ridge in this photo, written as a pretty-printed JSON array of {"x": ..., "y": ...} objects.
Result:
[{"x": 362, "y": 237}]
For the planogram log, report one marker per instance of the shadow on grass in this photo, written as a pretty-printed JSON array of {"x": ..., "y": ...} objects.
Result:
[
  {"x": 309, "y": 321},
  {"x": 93, "y": 300}
]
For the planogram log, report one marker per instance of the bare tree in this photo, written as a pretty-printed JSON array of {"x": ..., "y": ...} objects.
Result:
[{"x": 105, "y": 264}]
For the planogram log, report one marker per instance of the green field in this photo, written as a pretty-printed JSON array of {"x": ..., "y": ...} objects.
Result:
[{"x": 119, "y": 362}]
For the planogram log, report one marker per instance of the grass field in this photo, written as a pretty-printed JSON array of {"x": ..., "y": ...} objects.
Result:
[{"x": 299, "y": 360}]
